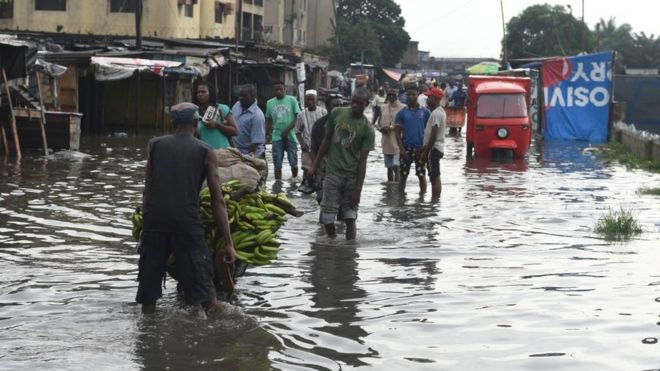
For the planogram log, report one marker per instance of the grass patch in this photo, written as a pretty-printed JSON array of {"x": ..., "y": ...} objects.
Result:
[
  {"x": 615, "y": 151},
  {"x": 650, "y": 191},
  {"x": 618, "y": 225}
]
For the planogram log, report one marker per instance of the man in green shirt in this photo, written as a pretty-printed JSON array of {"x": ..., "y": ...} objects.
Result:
[
  {"x": 348, "y": 139},
  {"x": 281, "y": 112}
]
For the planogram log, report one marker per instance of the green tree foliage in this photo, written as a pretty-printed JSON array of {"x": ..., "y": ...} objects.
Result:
[
  {"x": 373, "y": 29},
  {"x": 544, "y": 31},
  {"x": 634, "y": 50}
]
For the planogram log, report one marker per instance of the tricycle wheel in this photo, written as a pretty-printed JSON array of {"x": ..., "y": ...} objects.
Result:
[{"x": 469, "y": 148}]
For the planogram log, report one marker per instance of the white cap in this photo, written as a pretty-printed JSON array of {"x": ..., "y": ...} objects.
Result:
[{"x": 311, "y": 92}]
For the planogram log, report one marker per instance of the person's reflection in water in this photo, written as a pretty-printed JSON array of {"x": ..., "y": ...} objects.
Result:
[
  {"x": 278, "y": 186},
  {"x": 177, "y": 339},
  {"x": 334, "y": 274}
]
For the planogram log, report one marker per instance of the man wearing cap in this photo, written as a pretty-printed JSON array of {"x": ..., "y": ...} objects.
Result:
[
  {"x": 389, "y": 143},
  {"x": 434, "y": 140},
  {"x": 177, "y": 165},
  {"x": 410, "y": 124},
  {"x": 304, "y": 126}
]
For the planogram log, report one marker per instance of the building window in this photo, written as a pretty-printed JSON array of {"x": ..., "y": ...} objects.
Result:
[
  {"x": 188, "y": 10},
  {"x": 123, "y": 6},
  {"x": 259, "y": 2},
  {"x": 258, "y": 28},
  {"x": 219, "y": 12},
  {"x": 57, "y": 5},
  {"x": 247, "y": 26},
  {"x": 7, "y": 10}
]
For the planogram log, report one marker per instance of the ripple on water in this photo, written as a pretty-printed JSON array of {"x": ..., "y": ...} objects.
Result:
[{"x": 503, "y": 273}]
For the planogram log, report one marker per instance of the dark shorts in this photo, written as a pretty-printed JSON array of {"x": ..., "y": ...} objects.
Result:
[
  {"x": 337, "y": 192},
  {"x": 406, "y": 163},
  {"x": 433, "y": 163},
  {"x": 193, "y": 266}
]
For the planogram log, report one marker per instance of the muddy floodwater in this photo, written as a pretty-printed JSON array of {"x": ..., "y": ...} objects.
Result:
[{"x": 505, "y": 273}]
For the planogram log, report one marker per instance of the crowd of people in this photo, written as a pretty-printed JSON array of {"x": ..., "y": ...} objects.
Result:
[
  {"x": 335, "y": 142},
  {"x": 412, "y": 123}
]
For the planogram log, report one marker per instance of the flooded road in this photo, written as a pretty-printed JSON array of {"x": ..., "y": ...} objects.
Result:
[{"x": 504, "y": 273}]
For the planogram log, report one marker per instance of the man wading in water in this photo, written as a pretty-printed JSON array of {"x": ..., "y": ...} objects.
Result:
[
  {"x": 177, "y": 165},
  {"x": 348, "y": 139},
  {"x": 411, "y": 121}
]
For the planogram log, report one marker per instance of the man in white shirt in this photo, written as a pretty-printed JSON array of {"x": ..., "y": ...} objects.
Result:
[
  {"x": 304, "y": 126},
  {"x": 434, "y": 140},
  {"x": 423, "y": 96}
]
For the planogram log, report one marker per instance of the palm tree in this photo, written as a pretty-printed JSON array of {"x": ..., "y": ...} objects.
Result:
[{"x": 609, "y": 36}]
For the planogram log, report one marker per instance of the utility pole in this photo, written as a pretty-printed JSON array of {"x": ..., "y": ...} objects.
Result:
[
  {"x": 505, "y": 59},
  {"x": 138, "y": 24},
  {"x": 239, "y": 22},
  {"x": 584, "y": 26}
]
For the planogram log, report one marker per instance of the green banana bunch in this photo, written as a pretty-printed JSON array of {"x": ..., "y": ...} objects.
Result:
[
  {"x": 254, "y": 220},
  {"x": 136, "y": 219}
]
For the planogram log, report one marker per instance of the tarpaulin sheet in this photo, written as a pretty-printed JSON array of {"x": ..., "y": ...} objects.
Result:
[
  {"x": 111, "y": 69},
  {"x": 50, "y": 69},
  {"x": 578, "y": 93},
  {"x": 396, "y": 76}
]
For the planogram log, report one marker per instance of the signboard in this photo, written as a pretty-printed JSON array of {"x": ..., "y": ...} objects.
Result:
[{"x": 578, "y": 93}]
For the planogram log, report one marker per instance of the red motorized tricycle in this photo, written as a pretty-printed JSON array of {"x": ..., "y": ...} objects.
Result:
[{"x": 498, "y": 115}]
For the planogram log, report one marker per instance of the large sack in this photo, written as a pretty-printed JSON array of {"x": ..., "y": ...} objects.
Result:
[
  {"x": 228, "y": 157},
  {"x": 248, "y": 175}
]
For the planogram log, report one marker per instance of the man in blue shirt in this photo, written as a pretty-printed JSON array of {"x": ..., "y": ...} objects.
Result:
[
  {"x": 251, "y": 123},
  {"x": 410, "y": 124}
]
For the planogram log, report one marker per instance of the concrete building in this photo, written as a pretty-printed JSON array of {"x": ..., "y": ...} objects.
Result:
[
  {"x": 411, "y": 55},
  {"x": 161, "y": 18},
  {"x": 299, "y": 23},
  {"x": 320, "y": 20},
  {"x": 452, "y": 66}
]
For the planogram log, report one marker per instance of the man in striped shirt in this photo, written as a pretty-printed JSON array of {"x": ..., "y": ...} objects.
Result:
[{"x": 304, "y": 125}]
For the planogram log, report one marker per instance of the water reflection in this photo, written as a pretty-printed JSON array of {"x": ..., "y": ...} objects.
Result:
[
  {"x": 333, "y": 274},
  {"x": 225, "y": 340},
  {"x": 569, "y": 157},
  {"x": 489, "y": 278},
  {"x": 487, "y": 165}
]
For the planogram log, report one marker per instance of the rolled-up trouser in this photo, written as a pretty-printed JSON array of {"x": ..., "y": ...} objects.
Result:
[
  {"x": 193, "y": 266},
  {"x": 337, "y": 192},
  {"x": 433, "y": 163},
  {"x": 291, "y": 149}
]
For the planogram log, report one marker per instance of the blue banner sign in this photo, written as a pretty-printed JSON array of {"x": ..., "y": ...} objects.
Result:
[{"x": 578, "y": 93}]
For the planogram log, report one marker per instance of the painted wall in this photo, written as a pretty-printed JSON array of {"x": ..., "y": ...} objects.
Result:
[
  {"x": 320, "y": 15},
  {"x": 162, "y": 18},
  {"x": 274, "y": 19}
]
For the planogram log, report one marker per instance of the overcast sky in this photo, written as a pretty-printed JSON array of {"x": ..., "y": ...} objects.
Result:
[{"x": 473, "y": 28}]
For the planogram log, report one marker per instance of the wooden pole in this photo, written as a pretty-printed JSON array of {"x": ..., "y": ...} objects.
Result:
[
  {"x": 138, "y": 25},
  {"x": 163, "y": 93},
  {"x": 17, "y": 143},
  {"x": 505, "y": 54},
  {"x": 137, "y": 105},
  {"x": 42, "y": 120},
  {"x": 5, "y": 144}
]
